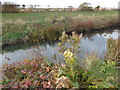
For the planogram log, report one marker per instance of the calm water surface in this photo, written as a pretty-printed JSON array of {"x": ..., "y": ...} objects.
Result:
[{"x": 90, "y": 43}]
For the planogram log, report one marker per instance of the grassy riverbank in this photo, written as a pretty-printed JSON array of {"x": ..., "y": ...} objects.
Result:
[
  {"x": 89, "y": 73},
  {"x": 51, "y": 24}
]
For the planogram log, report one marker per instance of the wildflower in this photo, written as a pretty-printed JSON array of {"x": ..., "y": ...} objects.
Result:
[
  {"x": 35, "y": 82},
  {"x": 23, "y": 72},
  {"x": 28, "y": 82},
  {"x": 26, "y": 85},
  {"x": 32, "y": 63},
  {"x": 63, "y": 65},
  {"x": 68, "y": 54},
  {"x": 48, "y": 69},
  {"x": 23, "y": 82},
  {"x": 31, "y": 74},
  {"x": 14, "y": 87},
  {"x": 42, "y": 77},
  {"x": 26, "y": 60},
  {"x": 24, "y": 63},
  {"x": 45, "y": 84}
]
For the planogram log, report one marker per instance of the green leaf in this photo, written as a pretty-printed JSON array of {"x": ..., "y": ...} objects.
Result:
[{"x": 75, "y": 84}]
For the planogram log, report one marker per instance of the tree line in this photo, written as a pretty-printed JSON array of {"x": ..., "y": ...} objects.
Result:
[{"x": 8, "y": 7}]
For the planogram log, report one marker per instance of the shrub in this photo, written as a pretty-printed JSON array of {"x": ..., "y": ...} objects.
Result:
[
  {"x": 49, "y": 33},
  {"x": 34, "y": 73}
]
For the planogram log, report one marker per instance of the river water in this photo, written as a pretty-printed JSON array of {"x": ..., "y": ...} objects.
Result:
[{"x": 95, "y": 42}]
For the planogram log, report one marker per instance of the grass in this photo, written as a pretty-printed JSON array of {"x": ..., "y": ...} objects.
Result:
[
  {"x": 38, "y": 16},
  {"x": 52, "y": 24}
]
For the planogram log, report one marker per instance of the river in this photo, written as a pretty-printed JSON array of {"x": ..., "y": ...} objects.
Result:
[{"x": 94, "y": 42}]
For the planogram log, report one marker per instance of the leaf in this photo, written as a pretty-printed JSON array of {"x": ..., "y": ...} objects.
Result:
[
  {"x": 61, "y": 72},
  {"x": 75, "y": 84}
]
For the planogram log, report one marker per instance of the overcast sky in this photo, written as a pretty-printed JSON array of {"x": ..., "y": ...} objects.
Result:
[{"x": 65, "y": 3}]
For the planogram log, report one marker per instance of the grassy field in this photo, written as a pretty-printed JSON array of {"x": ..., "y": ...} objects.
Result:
[
  {"x": 15, "y": 28},
  {"x": 38, "y": 16}
]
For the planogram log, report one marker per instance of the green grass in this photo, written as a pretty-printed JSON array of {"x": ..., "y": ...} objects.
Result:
[{"x": 38, "y": 16}]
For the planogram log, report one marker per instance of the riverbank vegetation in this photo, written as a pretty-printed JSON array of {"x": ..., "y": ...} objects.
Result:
[
  {"x": 89, "y": 73},
  {"x": 18, "y": 28}
]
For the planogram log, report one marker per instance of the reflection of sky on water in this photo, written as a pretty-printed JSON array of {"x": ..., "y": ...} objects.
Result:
[
  {"x": 95, "y": 44},
  {"x": 114, "y": 35}
]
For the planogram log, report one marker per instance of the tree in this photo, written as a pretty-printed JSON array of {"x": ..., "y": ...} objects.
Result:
[
  {"x": 8, "y": 7},
  {"x": 85, "y": 7},
  {"x": 23, "y": 6},
  {"x": 97, "y": 8}
]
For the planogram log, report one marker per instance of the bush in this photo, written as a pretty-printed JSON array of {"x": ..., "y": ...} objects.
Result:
[{"x": 34, "y": 73}]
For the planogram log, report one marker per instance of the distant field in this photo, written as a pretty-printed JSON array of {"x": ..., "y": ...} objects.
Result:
[{"x": 41, "y": 16}]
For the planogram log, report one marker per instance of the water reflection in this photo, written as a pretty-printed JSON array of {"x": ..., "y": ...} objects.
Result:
[{"x": 91, "y": 43}]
